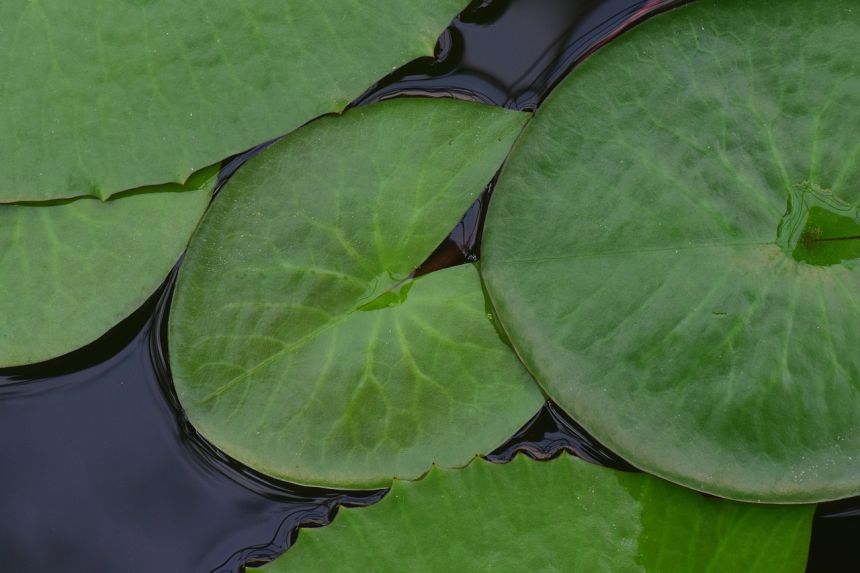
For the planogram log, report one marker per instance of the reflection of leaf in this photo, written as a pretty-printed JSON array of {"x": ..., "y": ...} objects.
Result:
[
  {"x": 295, "y": 344},
  {"x": 99, "y": 97},
  {"x": 563, "y": 515},
  {"x": 632, "y": 250},
  {"x": 72, "y": 269}
]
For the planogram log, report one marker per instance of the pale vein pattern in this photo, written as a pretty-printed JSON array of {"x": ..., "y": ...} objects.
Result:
[
  {"x": 102, "y": 96},
  {"x": 273, "y": 359},
  {"x": 631, "y": 248},
  {"x": 72, "y": 270}
]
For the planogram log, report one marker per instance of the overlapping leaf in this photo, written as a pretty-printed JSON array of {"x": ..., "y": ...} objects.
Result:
[
  {"x": 564, "y": 515},
  {"x": 672, "y": 247},
  {"x": 70, "y": 270},
  {"x": 99, "y": 97},
  {"x": 297, "y": 342}
]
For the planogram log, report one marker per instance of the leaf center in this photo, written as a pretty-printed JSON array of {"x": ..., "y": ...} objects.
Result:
[
  {"x": 393, "y": 296},
  {"x": 818, "y": 228}
]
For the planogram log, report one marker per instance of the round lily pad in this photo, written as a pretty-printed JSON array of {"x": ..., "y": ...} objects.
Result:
[
  {"x": 561, "y": 515},
  {"x": 70, "y": 270},
  {"x": 673, "y": 247},
  {"x": 299, "y": 344},
  {"x": 100, "y": 97}
]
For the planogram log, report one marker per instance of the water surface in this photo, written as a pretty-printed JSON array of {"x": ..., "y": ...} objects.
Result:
[{"x": 101, "y": 471}]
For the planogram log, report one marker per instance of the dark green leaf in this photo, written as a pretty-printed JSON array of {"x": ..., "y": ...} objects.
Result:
[
  {"x": 70, "y": 270},
  {"x": 99, "y": 97},
  {"x": 299, "y": 345},
  {"x": 673, "y": 247},
  {"x": 564, "y": 515}
]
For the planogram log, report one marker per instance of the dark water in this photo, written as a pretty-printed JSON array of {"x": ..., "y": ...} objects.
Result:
[
  {"x": 550, "y": 433},
  {"x": 102, "y": 473}
]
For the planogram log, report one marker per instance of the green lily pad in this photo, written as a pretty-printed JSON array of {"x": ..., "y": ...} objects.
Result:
[
  {"x": 673, "y": 247},
  {"x": 72, "y": 269},
  {"x": 298, "y": 343},
  {"x": 563, "y": 515},
  {"x": 99, "y": 97}
]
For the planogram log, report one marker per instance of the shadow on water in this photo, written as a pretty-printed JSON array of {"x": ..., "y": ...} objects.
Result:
[{"x": 102, "y": 472}]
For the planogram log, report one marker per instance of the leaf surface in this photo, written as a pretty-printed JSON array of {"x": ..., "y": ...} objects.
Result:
[
  {"x": 673, "y": 248},
  {"x": 100, "y": 97},
  {"x": 562, "y": 515},
  {"x": 297, "y": 342},
  {"x": 70, "y": 270}
]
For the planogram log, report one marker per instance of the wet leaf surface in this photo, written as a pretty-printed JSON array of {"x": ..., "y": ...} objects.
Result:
[
  {"x": 672, "y": 248},
  {"x": 298, "y": 343},
  {"x": 70, "y": 270},
  {"x": 561, "y": 515},
  {"x": 123, "y": 94}
]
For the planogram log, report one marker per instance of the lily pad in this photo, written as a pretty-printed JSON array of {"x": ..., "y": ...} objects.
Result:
[
  {"x": 562, "y": 515},
  {"x": 673, "y": 248},
  {"x": 298, "y": 343},
  {"x": 72, "y": 269},
  {"x": 99, "y": 97}
]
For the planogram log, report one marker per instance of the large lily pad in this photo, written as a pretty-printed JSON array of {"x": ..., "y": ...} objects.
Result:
[
  {"x": 99, "y": 97},
  {"x": 297, "y": 342},
  {"x": 563, "y": 515},
  {"x": 70, "y": 270},
  {"x": 673, "y": 247}
]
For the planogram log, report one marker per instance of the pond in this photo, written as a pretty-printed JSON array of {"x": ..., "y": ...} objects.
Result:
[{"x": 104, "y": 473}]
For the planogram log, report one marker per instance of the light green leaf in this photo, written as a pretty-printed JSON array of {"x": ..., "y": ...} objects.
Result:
[
  {"x": 672, "y": 248},
  {"x": 72, "y": 269},
  {"x": 564, "y": 515},
  {"x": 297, "y": 343},
  {"x": 99, "y": 97}
]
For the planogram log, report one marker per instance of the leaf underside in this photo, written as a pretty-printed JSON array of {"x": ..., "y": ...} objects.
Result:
[
  {"x": 561, "y": 515},
  {"x": 672, "y": 248},
  {"x": 298, "y": 344}
]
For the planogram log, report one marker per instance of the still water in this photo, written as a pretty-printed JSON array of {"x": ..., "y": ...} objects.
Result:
[{"x": 101, "y": 471}]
